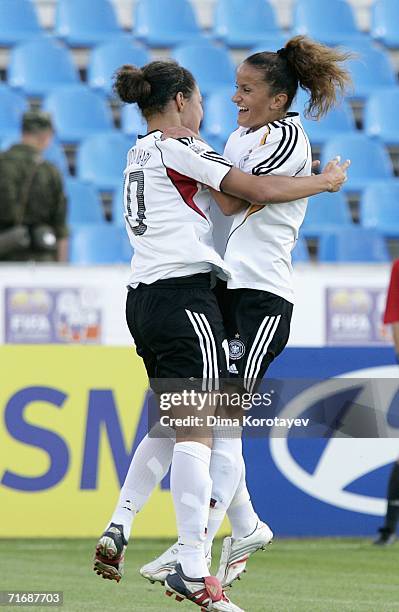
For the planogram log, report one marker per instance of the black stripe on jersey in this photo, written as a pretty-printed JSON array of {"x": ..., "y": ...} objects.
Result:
[
  {"x": 286, "y": 154},
  {"x": 301, "y": 168},
  {"x": 271, "y": 157},
  {"x": 186, "y": 140},
  {"x": 216, "y": 157}
]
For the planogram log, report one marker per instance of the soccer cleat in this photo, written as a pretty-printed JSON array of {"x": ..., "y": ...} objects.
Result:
[
  {"x": 109, "y": 557},
  {"x": 386, "y": 537},
  {"x": 235, "y": 553},
  {"x": 160, "y": 568},
  {"x": 204, "y": 592}
]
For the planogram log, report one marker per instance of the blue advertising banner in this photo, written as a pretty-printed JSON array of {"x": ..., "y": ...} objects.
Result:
[
  {"x": 72, "y": 417},
  {"x": 330, "y": 485}
]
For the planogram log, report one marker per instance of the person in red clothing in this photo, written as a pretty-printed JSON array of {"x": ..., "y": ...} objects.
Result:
[
  {"x": 387, "y": 533},
  {"x": 391, "y": 316}
]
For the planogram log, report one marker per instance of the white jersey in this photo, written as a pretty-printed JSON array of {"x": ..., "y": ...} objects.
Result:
[
  {"x": 167, "y": 208},
  {"x": 261, "y": 238}
]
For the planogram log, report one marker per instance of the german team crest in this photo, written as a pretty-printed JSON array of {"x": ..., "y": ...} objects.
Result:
[{"x": 236, "y": 349}]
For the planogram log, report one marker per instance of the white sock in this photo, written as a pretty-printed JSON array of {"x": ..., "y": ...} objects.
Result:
[
  {"x": 225, "y": 471},
  {"x": 241, "y": 513},
  {"x": 148, "y": 467},
  {"x": 191, "y": 485}
]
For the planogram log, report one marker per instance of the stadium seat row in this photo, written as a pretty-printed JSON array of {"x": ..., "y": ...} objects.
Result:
[
  {"x": 378, "y": 209},
  {"x": 212, "y": 66},
  {"x": 166, "y": 23},
  {"x": 101, "y": 243},
  {"x": 346, "y": 245}
]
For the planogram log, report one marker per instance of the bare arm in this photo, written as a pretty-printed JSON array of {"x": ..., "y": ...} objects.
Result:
[
  {"x": 279, "y": 189},
  {"x": 230, "y": 205},
  {"x": 269, "y": 189}
]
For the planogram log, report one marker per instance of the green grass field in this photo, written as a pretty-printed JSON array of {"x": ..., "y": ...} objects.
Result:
[{"x": 331, "y": 575}]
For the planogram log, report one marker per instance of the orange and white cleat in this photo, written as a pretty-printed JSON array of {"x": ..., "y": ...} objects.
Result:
[{"x": 207, "y": 593}]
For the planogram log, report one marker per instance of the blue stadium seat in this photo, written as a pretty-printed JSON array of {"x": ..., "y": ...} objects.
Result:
[
  {"x": 331, "y": 22},
  {"x": 101, "y": 159},
  {"x": 240, "y": 24},
  {"x": 300, "y": 253},
  {"x": 211, "y": 66},
  {"x": 84, "y": 205},
  {"x": 339, "y": 120},
  {"x": 380, "y": 208},
  {"x": 220, "y": 118},
  {"x": 108, "y": 57},
  {"x": 369, "y": 159},
  {"x": 56, "y": 155},
  {"x": 325, "y": 212},
  {"x": 78, "y": 112},
  {"x": 39, "y": 66},
  {"x": 118, "y": 212},
  {"x": 272, "y": 42},
  {"x": 132, "y": 121},
  {"x": 84, "y": 23},
  {"x": 384, "y": 22},
  {"x": 18, "y": 22},
  {"x": 99, "y": 244},
  {"x": 12, "y": 107},
  {"x": 381, "y": 118},
  {"x": 371, "y": 70},
  {"x": 353, "y": 244},
  {"x": 165, "y": 23}
]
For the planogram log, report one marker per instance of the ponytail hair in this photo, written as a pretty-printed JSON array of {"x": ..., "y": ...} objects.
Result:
[
  {"x": 154, "y": 85},
  {"x": 310, "y": 65}
]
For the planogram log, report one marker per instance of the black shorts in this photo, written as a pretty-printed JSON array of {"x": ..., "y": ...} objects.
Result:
[
  {"x": 178, "y": 330},
  {"x": 258, "y": 327}
]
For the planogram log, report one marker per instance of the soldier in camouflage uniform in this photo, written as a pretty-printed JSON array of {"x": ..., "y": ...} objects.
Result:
[{"x": 31, "y": 191}]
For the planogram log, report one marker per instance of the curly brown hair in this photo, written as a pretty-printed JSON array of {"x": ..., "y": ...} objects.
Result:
[{"x": 310, "y": 65}]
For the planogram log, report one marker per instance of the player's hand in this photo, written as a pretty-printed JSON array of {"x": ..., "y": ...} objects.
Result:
[
  {"x": 336, "y": 174},
  {"x": 178, "y": 132}
]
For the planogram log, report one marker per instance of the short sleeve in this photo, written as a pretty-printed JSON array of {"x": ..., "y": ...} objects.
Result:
[
  {"x": 284, "y": 152},
  {"x": 392, "y": 306},
  {"x": 195, "y": 159},
  {"x": 228, "y": 153}
]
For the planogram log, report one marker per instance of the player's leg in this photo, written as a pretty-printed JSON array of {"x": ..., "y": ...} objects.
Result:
[
  {"x": 258, "y": 325},
  {"x": 249, "y": 534},
  {"x": 149, "y": 465},
  {"x": 387, "y": 533},
  {"x": 200, "y": 336}
]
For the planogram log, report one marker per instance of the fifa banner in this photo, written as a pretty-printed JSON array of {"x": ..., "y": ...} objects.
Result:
[{"x": 72, "y": 416}]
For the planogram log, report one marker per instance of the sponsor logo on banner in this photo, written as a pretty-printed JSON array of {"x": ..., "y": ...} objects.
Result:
[
  {"x": 70, "y": 420},
  {"x": 36, "y": 315},
  {"x": 344, "y": 460},
  {"x": 354, "y": 316}
]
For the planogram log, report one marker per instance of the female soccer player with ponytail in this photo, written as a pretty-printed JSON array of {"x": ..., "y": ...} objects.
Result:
[{"x": 172, "y": 312}]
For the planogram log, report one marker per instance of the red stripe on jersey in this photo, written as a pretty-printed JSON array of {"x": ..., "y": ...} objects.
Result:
[
  {"x": 187, "y": 187},
  {"x": 392, "y": 307}
]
